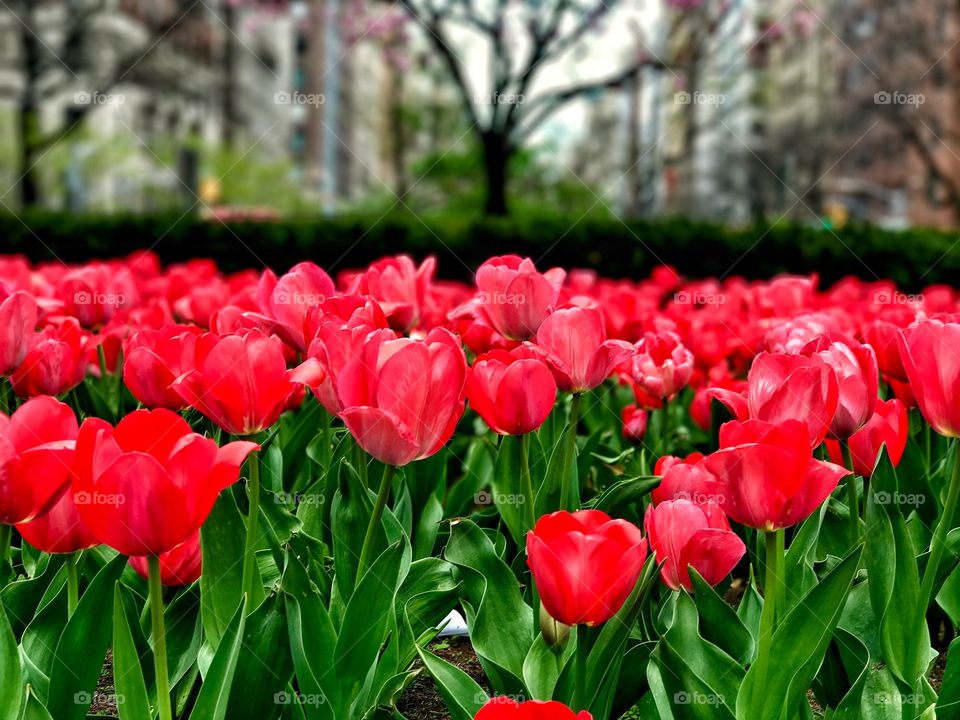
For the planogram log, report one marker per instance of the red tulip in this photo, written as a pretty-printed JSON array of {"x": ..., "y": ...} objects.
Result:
[
  {"x": 55, "y": 364},
  {"x": 883, "y": 334},
  {"x": 513, "y": 392},
  {"x": 284, "y": 302},
  {"x": 686, "y": 534},
  {"x": 401, "y": 288},
  {"x": 94, "y": 292},
  {"x": 687, "y": 481},
  {"x": 153, "y": 360},
  {"x": 791, "y": 336},
  {"x": 241, "y": 382},
  {"x": 787, "y": 387},
  {"x": 666, "y": 462},
  {"x": 504, "y": 708},
  {"x": 888, "y": 427},
  {"x": 585, "y": 564},
  {"x": 574, "y": 343},
  {"x": 148, "y": 484},
  {"x": 662, "y": 365},
  {"x": 931, "y": 356},
  {"x": 768, "y": 476},
  {"x": 513, "y": 298},
  {"x": 338, "y": 328},
  {"x": 36, "y": 451},
  {"x": 634, "y": 422},
  {"x": 59, "y": 530},
  {"x": 402, "y": 398},
  {"x": 18, "y": 319},
  {"x": 855, "y": 367},
  {"x": 179, "y": 566}
]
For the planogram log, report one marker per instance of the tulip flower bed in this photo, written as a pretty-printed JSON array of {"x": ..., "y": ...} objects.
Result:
[{"x": 263, "y": 496}]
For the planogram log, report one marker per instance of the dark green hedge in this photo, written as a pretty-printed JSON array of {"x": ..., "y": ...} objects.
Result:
[{"x": 913, "y": 259}]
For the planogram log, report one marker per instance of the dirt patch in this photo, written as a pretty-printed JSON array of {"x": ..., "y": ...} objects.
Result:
[{"x": 421, "y": 700}]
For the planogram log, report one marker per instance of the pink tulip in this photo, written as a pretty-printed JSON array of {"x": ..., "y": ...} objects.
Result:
[
  {"x": 55, "y": 364},
  {"x": 513, "y": 298},
  {"x": 513, "y": 392},
  {"x": 18, "y": 319},
  {"x": 284, "y": 302},
  {"x": 662, "y": 365},
  {"x": 855, "y": 367}
]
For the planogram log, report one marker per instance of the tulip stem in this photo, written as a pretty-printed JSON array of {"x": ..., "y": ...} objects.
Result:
[
  {"x": 159, "y": 638},
  {"x": 527, "y": 482},
  {"x": 73, "y": 584},
  {"x": 6, "y": 538},
  {"x": 852, "y": 500},
  {"x": 567, "y": 500},
  {"x": 253, "y": 523},
  {"x": 768, "y": 614},
  {"x": 938, "y": 543},
  {"x": 583, "y": 653},
  {"x": 371, "y": 537}
]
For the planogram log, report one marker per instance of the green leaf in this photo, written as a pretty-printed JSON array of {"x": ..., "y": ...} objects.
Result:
[
  {"x": 34, "y": 709},
  {"x": 265, "y": 666},
  {"x": 798, "y": 646},
  {"x": 541, "y": 670},
  {"x": 720, "y": 624},
  {"x": 127, "y": 672},
  {"x": 11, "y": 684},
  {"x": 460, "y": 693},
  {"x": 366, "y": 622},
  {"x": 948, "y": 704},
  {"x": 619, "y": 496},
  {"x": 350, "y": 514},
  {"x": 79, "y": 656},
  {"x": 222, "y": 539},
  {"x": 894, "y": 579},
  {"x": 505, "y": 487},
  {"x": 501, "y": 624},
  {"x": 215, "y": 692}
]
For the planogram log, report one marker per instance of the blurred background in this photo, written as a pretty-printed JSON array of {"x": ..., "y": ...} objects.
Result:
[{"x": 748, "y": 113}]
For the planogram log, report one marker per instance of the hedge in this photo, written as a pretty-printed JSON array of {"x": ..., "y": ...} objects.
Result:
[{"x": 913, "y": 259}]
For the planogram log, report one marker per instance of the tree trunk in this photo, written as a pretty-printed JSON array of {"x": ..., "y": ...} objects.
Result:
[
  {"x": 496, "y": 158},
  {"x": 229, "y": 109},
  {"x": 28, "y": 117}
]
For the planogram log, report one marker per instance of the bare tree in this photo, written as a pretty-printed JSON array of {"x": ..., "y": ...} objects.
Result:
[{"x": 523, "y": 39}]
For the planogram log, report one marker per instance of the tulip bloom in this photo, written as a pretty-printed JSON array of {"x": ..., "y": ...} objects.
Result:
[
  {"x": 59, "y": 530},
  {"x": 883, "y": 334},
  {"x": 401, "y": 288},
  {"x": 338, "y": 329},
  {"x": 787, "y": 387},
  {"x": 18, "y": 319},
  {"x": 284, "y": 302},
  {"x": 662, "y": 365},
  {"x": 687, "y": 481},
  {"x": 153, "y": 360},
  {"x": 402, "y": 398},
  {"x": 889, "y": 427},
  {"x": 513, "y": 392},
  {"x": 504, "y": 708},
  {"x": 768, "y": 476},
  {"x": 574, "y": 343},
  {"x": 55, "y": 364},
  {"x": 634, "y": 423},
  {"x": 931, "y": 357},
  {"x": 179, "y": 566},
  {"x": 36, "y": 451},
  {"x": 241, "y": 382},
  {"x": 686, "y": 534},
  {"x": 146, "y": 485},
  {"x": 513, "y": 298},
  {"x": 855, "y": 367},
  {"x": 585, "y": 564}
]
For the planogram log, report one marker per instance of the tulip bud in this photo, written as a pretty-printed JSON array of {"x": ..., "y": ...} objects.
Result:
[{"x": 555, "y": 633}]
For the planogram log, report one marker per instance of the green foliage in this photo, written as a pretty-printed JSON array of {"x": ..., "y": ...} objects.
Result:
[{"x": 462, "y": 241}]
